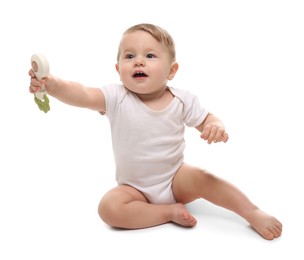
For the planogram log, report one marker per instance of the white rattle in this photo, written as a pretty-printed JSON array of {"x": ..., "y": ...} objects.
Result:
[{"x": 40, "y": 66}]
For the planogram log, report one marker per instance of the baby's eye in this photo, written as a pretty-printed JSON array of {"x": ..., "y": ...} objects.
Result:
[
  {"x": 129, "y": 56},
  {"x": 150, "y": 56}
]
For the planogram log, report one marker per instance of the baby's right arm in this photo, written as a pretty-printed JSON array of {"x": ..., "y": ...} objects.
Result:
[{"x": 71, "y": 93}]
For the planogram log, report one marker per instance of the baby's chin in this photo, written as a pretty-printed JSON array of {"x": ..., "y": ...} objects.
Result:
[{"x": 138, "y": 91}]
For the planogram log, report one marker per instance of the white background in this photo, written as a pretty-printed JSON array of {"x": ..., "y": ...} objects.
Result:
[{"x": 245, "y": 61}]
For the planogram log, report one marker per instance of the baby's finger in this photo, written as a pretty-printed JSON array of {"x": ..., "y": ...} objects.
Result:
[
  {"x": 34, "y": 89},
  {"x": 37, "y": 83},
  {"x": 205, "y": 134},
  {"x": 225, "y": 137},
  {"x": 212, "y": 135},
  {"x": 30, "y": 89},
  {"x": 219, "y": 135},
  {"x": 31, "y": 73}
]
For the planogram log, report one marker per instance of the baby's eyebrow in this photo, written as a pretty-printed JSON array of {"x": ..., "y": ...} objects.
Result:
[
  {"x": 148, "y": 50},
  {"x": 127, "y": 51}
]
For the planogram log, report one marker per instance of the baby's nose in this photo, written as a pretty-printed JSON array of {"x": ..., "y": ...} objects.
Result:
[{"x": 139, "y": 61}]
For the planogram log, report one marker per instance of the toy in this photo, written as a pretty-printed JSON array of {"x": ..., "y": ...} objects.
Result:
[{"x": 40, "y": 66}]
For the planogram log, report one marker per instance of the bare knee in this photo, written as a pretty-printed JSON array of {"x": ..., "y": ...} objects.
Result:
[
  {"x": 109, "y": 211},
  {"x": 113, "y": 208},
  {"x": 103, "y": 209}
]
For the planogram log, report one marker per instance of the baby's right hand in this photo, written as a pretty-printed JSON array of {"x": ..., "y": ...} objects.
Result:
[{"x": 35, "y": 84}]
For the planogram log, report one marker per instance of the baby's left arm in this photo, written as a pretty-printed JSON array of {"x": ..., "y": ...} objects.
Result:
[{"x": 213, "y": 130}]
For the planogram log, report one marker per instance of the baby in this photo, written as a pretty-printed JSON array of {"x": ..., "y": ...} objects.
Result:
[{"x": 148, "y": 120}]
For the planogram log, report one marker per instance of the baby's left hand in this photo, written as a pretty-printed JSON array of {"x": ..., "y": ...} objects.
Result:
[{"x": 214, "y": 132}]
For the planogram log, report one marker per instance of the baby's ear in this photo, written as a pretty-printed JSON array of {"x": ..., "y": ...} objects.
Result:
[
  {"x": 117, "y": 67},
  {"x": 173, "y": 70}
]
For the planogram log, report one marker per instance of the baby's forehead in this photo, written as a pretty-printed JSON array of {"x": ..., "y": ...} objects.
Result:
[
  {"x": 137, "y": 36},
  {"x": 140, "y": 39}
]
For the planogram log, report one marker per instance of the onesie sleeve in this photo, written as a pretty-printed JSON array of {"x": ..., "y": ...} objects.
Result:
[
  {"x": 113, "y": 94},
  {"x": 193, "y": 113}
]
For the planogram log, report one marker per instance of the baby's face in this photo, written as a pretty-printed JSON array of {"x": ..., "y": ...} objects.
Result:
[{"x": 144, "y": 64}]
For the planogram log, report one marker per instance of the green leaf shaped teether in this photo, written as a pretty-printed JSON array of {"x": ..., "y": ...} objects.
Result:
[{"x": 44, "y": 104}]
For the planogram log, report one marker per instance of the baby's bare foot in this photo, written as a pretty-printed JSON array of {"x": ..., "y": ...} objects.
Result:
[
  {"x": 266, "y": 225},
  {"x": 180, "y": 215}
]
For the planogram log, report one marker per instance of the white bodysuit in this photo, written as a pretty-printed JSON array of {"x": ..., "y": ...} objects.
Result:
[{"x": 148, "y": 145}]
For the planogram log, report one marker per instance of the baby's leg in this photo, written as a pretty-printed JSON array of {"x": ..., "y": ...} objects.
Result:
[
  {"x": 191, "y": 183},
  {"x": 126, "y": 207}
]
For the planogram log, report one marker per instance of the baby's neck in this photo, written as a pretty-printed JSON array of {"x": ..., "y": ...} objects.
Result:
[{"x": 157, "y": 101}]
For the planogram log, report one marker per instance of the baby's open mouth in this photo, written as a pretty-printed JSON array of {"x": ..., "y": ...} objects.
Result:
[{"x": 139, "y": 74}]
